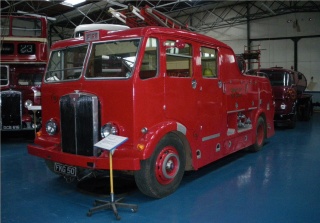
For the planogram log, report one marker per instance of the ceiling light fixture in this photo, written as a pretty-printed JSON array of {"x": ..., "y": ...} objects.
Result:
[{"x": 72, "y": 2}]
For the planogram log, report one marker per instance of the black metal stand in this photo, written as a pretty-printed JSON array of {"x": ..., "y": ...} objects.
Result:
[{"x": 112, "y": 204}]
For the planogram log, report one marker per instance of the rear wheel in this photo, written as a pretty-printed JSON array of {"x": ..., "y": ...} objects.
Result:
[
  {"x": 261, "y": 132},
  {"x": 307, "y": 111},
  {"x": 161, "y": 174},
  {"x": 293, "y": 121}
]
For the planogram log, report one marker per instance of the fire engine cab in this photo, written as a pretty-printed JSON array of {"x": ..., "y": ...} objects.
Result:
[{"x": 178, "y": 96}]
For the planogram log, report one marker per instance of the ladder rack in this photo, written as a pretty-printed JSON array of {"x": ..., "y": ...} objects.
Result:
[{"x": 145, "y": 16}]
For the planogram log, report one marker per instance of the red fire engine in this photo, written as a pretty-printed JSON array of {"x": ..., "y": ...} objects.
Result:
[
  {"x": 24, "y": 55},
  {"x": 178, "y": 96}
]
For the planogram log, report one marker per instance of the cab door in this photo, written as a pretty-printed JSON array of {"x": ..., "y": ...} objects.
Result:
[
  {"x": 211, "y": 110},
  {"x": 180, "y": 83}
]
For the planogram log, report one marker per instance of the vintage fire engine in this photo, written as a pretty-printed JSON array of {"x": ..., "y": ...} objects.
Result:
[
  {"x": 291, "y": 100},
  {"x": 24, "y": 54},
  {"x": 178, "y": 96}
]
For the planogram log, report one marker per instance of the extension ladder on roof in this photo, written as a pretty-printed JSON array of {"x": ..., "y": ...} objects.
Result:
[{"x": 146, "y": 16}]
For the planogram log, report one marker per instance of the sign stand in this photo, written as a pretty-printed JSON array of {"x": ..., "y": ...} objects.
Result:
[
  {"x": 110, "y": 143},
  {"x": 34, "y": 109}
]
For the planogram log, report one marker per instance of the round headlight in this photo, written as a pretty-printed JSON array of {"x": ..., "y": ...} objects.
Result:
[
  {"x": 28, "y": 103},
  {"x": 108, "y": 129},
  {"x": 51, "y": 127}
]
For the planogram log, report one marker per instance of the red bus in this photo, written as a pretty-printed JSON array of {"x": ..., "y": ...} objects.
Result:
[
  {"x": 24, "y": 54},
  {"x": 178, "y": 96}
]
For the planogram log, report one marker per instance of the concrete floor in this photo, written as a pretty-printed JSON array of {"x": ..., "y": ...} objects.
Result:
[{"x": 281, "y": 183}]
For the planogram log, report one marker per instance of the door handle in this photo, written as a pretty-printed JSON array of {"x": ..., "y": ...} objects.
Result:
[{"x": 194, "y": 84}]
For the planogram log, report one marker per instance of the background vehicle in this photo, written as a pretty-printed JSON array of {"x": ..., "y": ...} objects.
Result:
[
  {"x": 23, "y": 59},
  {"x": 178, "y": 96},
  {"x": 288, "y": 89}
]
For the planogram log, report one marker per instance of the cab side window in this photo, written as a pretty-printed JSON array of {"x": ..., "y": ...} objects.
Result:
[
  {"x": 149, "y": 66},
  {"x": 179, "y": 63},
  {"x": 209, "y": 62}
]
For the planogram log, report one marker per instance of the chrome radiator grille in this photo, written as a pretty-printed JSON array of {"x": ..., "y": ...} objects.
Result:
[
  {"x": 79, "y": 123},
  {"x": 11, "y": 110}
]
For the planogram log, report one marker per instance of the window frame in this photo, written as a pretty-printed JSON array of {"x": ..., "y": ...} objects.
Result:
[{"x": 214, "y": 70}]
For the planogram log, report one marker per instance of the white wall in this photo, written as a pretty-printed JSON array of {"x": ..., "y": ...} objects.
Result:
[
  {"x": 308, "y": 61},
  {"x": 276, "y": 53},
  {"x": 280, "y": 52},
  {"x": 279, "y": 26},
  {"x": 235, "y": 36}
]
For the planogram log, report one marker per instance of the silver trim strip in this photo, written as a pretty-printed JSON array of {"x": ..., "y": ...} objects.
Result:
[
  {"x": 214, "y": 136},
  {"x": 240, "y": 110}
]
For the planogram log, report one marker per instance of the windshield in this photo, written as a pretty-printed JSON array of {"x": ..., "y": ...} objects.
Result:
[
  {"x": 113, "y": 59},
  {"x": 21, "y": 27},
  {"x": 279, "y": 78},
  {"x": 66, "y": 64}
]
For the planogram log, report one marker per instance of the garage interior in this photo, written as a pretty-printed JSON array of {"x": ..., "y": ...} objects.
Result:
[{"x": 280, "y": 183}]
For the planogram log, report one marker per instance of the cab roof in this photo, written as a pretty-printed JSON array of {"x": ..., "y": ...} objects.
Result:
[{"x": 141, "y": 32}]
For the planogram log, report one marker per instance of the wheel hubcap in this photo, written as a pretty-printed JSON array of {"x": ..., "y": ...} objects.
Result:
[{"x": 167, "y": 165}]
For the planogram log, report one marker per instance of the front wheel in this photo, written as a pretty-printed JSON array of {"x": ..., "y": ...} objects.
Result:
[
  {"x": 161, "y": 174},
  {"x": 261, "y": 132}
]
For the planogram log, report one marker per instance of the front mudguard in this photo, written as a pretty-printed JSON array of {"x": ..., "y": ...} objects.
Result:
[{"x": 149, "y": 140}]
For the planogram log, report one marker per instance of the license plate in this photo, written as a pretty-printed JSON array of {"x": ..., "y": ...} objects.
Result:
[{"x": 65, "y": 169}]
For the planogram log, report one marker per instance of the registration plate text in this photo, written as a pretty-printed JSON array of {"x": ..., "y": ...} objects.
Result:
[{"x": 65, "y": 169}]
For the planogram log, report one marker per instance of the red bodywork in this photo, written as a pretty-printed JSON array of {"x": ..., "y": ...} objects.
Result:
[
  {"x": 210, "y": 116},
  {"x": 204, "y": 117}
]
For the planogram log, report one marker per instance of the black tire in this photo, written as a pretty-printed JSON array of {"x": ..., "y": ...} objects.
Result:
[
  {"x": 161, "y": 174},
  {"x": 307, "y": 111},
  {"x": 261, "y": 134},
  {"x": 293, "y": 120}
]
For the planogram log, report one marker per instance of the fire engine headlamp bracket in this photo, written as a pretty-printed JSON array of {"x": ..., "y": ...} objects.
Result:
[
  {"x": 108, "y": 129},
  {"x": 51, "y": 127}
]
